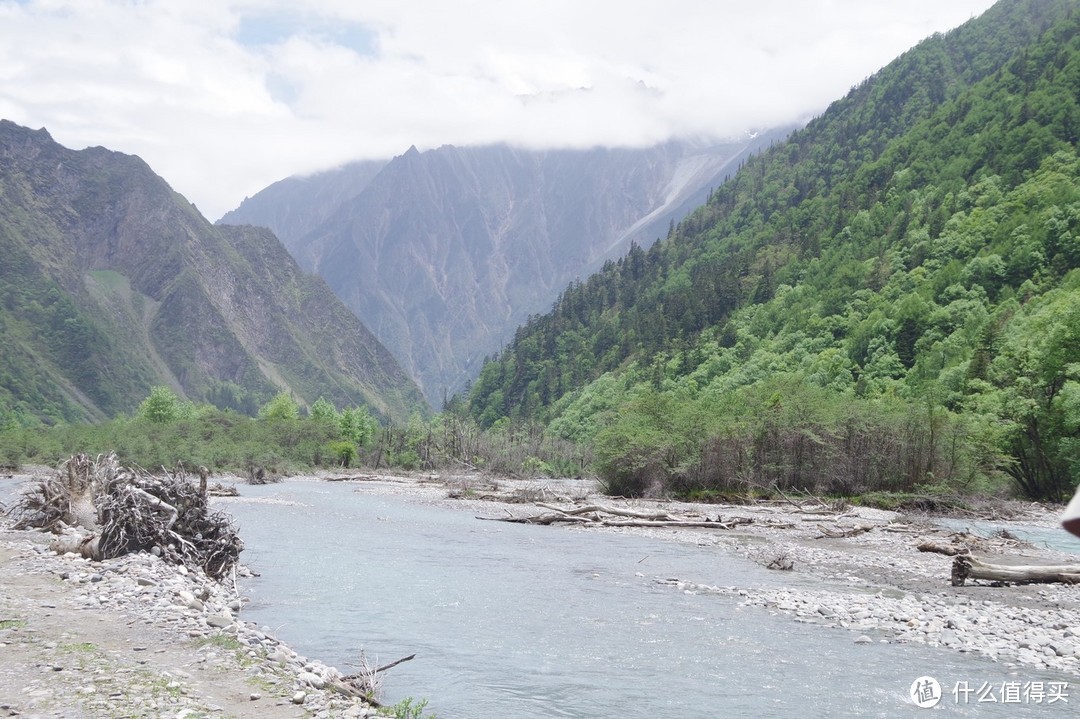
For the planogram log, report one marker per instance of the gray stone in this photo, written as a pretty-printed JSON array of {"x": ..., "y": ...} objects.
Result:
[{"x": 312, "y": 679}]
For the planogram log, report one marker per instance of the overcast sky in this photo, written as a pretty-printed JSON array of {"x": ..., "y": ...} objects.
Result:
[{"x": 223, "y": 97}]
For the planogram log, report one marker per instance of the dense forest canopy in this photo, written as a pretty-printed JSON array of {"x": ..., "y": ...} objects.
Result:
[{"x": 888, "y": 300}]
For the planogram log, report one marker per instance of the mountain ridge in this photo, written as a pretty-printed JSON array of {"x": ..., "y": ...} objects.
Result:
[
  {"x": 444, "y": 252},
  {"x": 122, "y": 285}
]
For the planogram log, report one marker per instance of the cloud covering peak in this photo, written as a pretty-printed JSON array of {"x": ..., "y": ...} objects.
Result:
[{"x": 222, "y": 98}]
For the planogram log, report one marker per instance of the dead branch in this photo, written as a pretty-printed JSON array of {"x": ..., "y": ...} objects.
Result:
[
  {"x": 365, "y": 682},
  {"x": 393, "y": 664},
  {"x": 781, "y": 562}
]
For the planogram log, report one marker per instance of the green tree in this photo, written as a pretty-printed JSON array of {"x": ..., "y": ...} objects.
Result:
[
  {"x": 323, "y": 411},
  {"x": 357, "y": 425},
  {"x": 162, "y": 406},
  {"x": 1037, "y": 375},
  {"x": 281, "y": 407}
]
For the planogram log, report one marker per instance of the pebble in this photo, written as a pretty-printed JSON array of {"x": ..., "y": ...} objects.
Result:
[
  {"x": 151, "y": 591},
  {"x": 1045, "y": 637}
]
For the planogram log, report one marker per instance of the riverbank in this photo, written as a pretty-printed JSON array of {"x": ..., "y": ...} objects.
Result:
[{"x": 136, "y": 637}]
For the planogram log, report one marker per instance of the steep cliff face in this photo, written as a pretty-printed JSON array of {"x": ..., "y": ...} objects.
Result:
[
  {"x": 443, "y": 253},
  {"x": 117, "y": 283}
]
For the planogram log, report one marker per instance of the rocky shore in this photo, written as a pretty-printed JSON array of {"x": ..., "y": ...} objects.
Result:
[
  {"x": 878, "y": 586},
  {"x": 136, "y": 637}
]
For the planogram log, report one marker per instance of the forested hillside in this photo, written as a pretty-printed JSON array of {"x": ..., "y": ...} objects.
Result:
[{"x": 889, "y": 300}]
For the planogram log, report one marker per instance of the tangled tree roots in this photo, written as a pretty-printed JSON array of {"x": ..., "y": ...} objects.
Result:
[{"x": 117, "y": 510}]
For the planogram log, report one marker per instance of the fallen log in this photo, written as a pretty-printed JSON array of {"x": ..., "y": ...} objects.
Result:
[
  {"x": 967, "y": 567},
  {"x": 557, "y": 517},
  {"x": 542, "y": 519},
  {"x": 601, "y": 509},
  {"x": 702, "y": 524}
]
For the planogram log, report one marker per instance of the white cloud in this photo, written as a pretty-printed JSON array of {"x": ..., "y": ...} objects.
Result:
[{"x": 222, "y": 98}]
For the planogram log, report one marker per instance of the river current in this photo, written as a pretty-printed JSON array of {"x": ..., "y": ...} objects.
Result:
[{"x": 519, "y": 621}]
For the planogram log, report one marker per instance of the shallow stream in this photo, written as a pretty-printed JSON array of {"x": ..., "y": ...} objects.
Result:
[{"x": 518, "y": 621}]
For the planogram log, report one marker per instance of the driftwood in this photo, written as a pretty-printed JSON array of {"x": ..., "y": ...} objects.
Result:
[
  {"x": 365, "y": 682},
  {"x": 967, "y": 567},
  {"x": 222, "y": 490},
  {"x": 601, "y": 509},
  {"x": 966, "y": 543},
  {"x": 596, "y": 515},
  {"x": 948, "y": 549},
  {"x": 843, "y": 532},
  {"x": 102, "y": 510},
  {"x": 354, "y": 478}
]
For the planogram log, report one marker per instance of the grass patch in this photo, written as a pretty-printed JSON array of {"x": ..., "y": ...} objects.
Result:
[
  {"x": 229, "y": 643},
  {"x": 12, "y": 623},
  {"x": 406, "y": 709},
  {"x": 223, "y": 641},
  {"x": 78, "y": 648}
]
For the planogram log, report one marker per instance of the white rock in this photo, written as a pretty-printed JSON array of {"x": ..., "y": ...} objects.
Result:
[
  {"x": 219, "y": 620},
  {"x": 312, "y": 679}
]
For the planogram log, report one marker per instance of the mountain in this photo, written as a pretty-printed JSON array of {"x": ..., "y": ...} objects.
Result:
[
  {"x": 296, "y": 205},
  {"x": 444, "y": 252},
  {"x": 112, "y": 283},
  {"x": 889, "y": 300}
]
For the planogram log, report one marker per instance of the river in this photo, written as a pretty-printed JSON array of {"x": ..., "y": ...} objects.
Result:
[{"x": 519, "y": 621}]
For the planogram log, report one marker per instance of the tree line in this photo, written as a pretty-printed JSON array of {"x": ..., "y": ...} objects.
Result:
[{"x": 285, "y": 438}]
